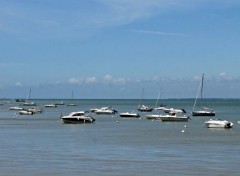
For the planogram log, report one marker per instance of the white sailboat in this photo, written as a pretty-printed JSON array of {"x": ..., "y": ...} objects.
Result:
[
  {"x": 141, "y": 106},
  {"x": 72, "y": 104},
  {"x": 204, "y": 111},
  {"x": 29, "y": 103},
  {"x": 161, "y": 106}
]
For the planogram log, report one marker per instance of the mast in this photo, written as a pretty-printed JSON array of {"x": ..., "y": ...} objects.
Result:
[
  {"x": 200, "y": 88},
  {"x": 159, "y": 96},
  {"x": 141, "y": 98}
]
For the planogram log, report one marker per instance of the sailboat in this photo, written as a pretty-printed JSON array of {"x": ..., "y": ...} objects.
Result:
[
  {"x": 204, "y": 111},
  {"x": 162, "y": 106},
  {"x": 29, "y": 103},
  {"x": 72, "y": 104},
  {"x": 142, "y": 107}
]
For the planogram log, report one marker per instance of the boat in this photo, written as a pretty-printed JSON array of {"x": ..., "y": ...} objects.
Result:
[
  {"x": 218, "y": 123},
  {"x": 167, "y": 110},
  {"x": 20, "y": 100},
  {"x": 25, "y": 112},
  {"x": 27, "y": 102},
  {"x": 50, "y": 106},
  {"x": 204, "y": 111},
  {"x": 77, "y": 117},
  {"x": 161, "y": 106},
  {"x": 60, "y": 103},
  {"x": 141, "y": 106},
  {"x": 144, "y": 108},
  {"x": 129, "y": 114},
  {"x": 72, "y": 104},
  {"x": 16, "y": 108},
  {"x": 173, "y": 116},
  {"x": 105, "y": 110},
  {"x": 35, "y": 110}
]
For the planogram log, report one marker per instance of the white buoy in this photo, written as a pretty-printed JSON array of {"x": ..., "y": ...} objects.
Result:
[
  {"x": 185, "y": 126},
  {"x": 239, "y": 122},
  {"x": 183, "y": 131},
  {"x": 117, "y": 121}
]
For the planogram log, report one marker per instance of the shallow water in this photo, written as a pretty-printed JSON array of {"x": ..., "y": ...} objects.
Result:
[{"x": 42, "y": 145}]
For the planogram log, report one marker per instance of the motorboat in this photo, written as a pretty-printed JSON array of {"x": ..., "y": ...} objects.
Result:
[
  {"x": 105, "y": 110},
  {"x": 77, "y": 117},
  {"x": 129, "y": 114},
  {"x": 218, "y": 123},
  {"x": 50, "y": 106},
  {"x": 29, "y": 103},
  {"x": 168, "y": 110},
  {"x": 174, "y": 116},
  {"x": 144, "y": 108},
  {"x": 35, "y": 110},
  {"x": 204, "y": 112},
  {"x": 72, "y": 104},
  {"x": 25, "y": 112},
  {"x": 16, "y": 108},
  {"x": 60, "y": 103}
]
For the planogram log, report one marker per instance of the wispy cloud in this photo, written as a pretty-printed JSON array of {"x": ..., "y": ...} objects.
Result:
[
  {"x": 159, "y": 33},
  {"x": 72, "y": 16}
]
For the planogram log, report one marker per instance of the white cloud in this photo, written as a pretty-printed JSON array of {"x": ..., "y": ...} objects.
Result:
[
  {"x": 91, "y": 80},
  {"x": 108, "y": 78},
  {"x": 224, "y": 76},
  {"x": 18, "y": 84},
  {"x": 74, "y": 81}
]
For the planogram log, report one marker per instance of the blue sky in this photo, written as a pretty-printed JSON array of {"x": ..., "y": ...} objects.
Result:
[{"x": 115, "y": 48}]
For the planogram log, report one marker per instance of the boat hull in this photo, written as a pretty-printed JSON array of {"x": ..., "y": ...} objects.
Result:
[
  {"x": 218, "y": 124},
  {"x": 145, "y": 110},
  {"x": 77, "y": 120},
  {"x": 174, "y": 119},
  {"x": 196, "y": 113},
  {"x": 153, "y": 117},
  {"x": 129, "y": 115}
]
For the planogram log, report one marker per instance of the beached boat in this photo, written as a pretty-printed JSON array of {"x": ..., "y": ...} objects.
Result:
[
  {"x": 204, "y": 111},
  {"x": 77, "y": 117},
  {"x": 173, "y": 116},
  {"x": 129, "y": 114},
  {"x": 218, "y": 123}
]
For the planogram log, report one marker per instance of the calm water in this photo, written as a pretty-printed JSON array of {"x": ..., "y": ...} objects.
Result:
[{"x": 42, "y": 145}]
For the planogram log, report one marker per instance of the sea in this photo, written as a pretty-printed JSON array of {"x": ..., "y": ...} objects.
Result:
[{"x": 41, "y": 144}]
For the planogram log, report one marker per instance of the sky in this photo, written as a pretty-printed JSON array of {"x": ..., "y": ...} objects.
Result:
[{"x": 117, "y": 48}]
